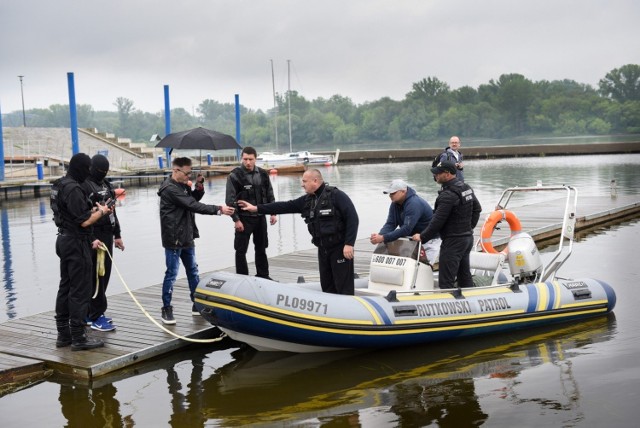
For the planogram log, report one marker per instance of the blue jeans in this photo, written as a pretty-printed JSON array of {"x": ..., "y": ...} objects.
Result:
[{"x": 172, "y": 259}]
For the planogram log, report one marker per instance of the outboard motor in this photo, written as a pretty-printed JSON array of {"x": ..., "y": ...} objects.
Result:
[{"x": 525, "y": 263}]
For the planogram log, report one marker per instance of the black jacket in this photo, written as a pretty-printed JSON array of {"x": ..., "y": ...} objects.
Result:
[
  {"x": 253, "y": 187},
  {"x": 178, "y": 206},
  {"x": 456, "y": 213},
  {"x": 346, "y": 213}
]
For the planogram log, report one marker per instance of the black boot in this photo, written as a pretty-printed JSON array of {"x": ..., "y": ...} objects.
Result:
[
  {"x": 64, "y": 333},
  {"x": 80, "y": 340}
]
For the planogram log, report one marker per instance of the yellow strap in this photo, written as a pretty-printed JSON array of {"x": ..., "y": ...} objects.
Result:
[
  {"x": 144, "y": 311},
  {"x": 99, "y": 268}
]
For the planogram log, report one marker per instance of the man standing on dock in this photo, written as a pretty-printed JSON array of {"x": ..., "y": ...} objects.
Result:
[
  {"x": 453, "y": 154},
  {"x": 178, "y": 207},
  {"x": 457, "y": 211},
  {"x": 332, "y": 221},
  {"x": 107, "y": 230},
  {"x": 74, "y": 215},
  {"x": 250, "y": 183}
]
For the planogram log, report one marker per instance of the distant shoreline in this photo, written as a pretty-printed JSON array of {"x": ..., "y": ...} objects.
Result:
[{"x": 489, "y": 152}]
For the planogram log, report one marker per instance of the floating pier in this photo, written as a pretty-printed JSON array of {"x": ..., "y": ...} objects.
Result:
[{"x": 27, "y": 345}]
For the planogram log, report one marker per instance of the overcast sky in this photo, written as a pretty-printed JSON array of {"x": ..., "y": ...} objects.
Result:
[{"x": 361, "y": 49}]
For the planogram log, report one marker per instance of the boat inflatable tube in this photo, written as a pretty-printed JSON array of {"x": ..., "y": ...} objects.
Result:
[{"x": 489, "y": 225}]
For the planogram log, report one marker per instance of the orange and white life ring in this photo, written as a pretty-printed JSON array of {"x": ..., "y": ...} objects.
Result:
[{"x": 489, "y": 225}]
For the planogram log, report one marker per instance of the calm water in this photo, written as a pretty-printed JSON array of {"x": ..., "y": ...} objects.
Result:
[{"x": 574, "y": 375}]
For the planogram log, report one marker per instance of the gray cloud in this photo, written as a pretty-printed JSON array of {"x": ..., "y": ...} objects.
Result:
[{"x": 363, "y": 49}]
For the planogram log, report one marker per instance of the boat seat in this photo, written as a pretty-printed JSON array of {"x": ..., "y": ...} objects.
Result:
[{"x": 487, "y": 264}]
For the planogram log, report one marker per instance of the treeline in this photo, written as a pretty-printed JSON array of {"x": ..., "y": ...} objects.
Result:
[{"x": 510, "y": 106}]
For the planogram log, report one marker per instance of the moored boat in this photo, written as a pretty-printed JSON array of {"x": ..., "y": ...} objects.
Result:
[
  {"x": 313, "y": 159},
  {"x": 269, "y": 160},
  {"x": 400, "y": 303}
]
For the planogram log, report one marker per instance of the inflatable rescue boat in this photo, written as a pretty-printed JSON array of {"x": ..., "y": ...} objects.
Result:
[{"x": 400, "y": 304}]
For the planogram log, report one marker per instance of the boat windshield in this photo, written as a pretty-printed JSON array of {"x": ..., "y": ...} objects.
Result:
[{"x": 402, "y": 247}]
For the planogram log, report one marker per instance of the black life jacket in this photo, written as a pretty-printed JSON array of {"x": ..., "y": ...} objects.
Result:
[
  {"x": 249, "y": 192},
  {"x": 56, "y": 198},
  {"x": 325, "y": 224}
]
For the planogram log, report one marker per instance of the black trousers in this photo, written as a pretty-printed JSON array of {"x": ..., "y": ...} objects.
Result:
[
  {"x": 336, "y": 272},
  {"x": 454, "y": 262},
  {"x": 256, "y": 226},
  {"x": 74, "y": 291},
  {"x": 98, "y": 305}
]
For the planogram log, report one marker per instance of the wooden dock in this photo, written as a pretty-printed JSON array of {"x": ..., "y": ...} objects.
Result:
[{"x": 27, "y": 345}]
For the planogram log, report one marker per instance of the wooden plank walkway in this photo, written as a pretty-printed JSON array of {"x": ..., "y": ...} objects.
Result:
[{"x": 137, "y": 339}]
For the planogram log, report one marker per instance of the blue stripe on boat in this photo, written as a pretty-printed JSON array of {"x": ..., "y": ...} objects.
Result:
[
  {"x": 552, "y": 295},
  {"x": 533, "y": 298},
  {"x": 381, "y": 311}
]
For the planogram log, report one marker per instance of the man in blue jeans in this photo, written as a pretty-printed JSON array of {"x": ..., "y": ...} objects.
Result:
[{"x": 178, "y": 207}]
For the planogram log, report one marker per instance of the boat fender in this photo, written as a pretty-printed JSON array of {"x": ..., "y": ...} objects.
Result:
[{"x": 490, "y": 224}]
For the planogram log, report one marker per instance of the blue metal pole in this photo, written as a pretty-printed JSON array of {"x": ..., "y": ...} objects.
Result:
[
  {"x": 1, "y": 150},
  {"x": 167, "y": 122},
  {"x": 237, "y": 97},
  {"x": 75, "y": 146}
]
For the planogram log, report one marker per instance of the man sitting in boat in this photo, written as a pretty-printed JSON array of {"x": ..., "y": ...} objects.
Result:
[
  {"x": 332, "y": 221},
  {"x": 408, "y": 214}
]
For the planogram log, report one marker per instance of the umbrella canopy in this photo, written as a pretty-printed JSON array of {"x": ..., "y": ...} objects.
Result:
[{"x": 199, "y": 138}]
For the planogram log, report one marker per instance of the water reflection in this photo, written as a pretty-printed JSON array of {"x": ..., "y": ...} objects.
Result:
[
  {"x": 417, "y": 386},
  {"x": 83, "y": 406},
  {"x": 7, "y": 265},
  {"x": 185, "y": 405}
]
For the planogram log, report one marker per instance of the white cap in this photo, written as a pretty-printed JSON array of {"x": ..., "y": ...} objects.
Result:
[{"x": 397, "y": 184}]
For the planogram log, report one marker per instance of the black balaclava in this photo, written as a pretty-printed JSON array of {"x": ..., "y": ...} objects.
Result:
[
  {"x": 79, "y": 167},
  {"x": 99, "y": 167}
]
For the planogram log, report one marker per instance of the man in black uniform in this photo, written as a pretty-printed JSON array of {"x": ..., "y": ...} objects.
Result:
[
  {"x": 106, "y": 229},
  {"x": 250, "y": 183},
  {"x": 457, "y": 211},
  {"x": 74, "y": 215},
  {"x": 332, "y": 221}
]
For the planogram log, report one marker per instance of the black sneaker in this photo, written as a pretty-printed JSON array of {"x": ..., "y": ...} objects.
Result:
[
  {"x": 194, "y": 311},
  {"x": 86, "y": 342},
  {"x": 167, "y": 315}
]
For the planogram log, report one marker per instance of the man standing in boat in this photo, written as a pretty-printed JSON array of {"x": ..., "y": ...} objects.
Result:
[
  {"x": 332, "y": 221},
  {"x": 457, "y": 211},
  {"x": 408, "y": 214},
  {"x": 252, "y": 184}
]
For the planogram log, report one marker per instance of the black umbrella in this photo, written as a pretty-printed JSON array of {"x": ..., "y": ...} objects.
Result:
[{"x": 199, "y": 138}]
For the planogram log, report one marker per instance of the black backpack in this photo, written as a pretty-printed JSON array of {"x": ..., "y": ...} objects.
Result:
[{"x": 436, "y": 160}]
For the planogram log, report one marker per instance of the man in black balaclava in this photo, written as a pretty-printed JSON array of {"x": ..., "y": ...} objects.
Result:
[
  {"x": 105, "y": 229},
  {"x": 74, "y": 215}
]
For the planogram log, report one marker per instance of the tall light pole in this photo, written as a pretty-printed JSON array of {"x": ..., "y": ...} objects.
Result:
[{"x": 24, "y": 117}]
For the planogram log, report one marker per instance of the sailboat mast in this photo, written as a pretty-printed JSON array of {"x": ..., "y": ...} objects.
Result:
[
  {"x": 275, "y": 105},
  {"x": 289, "y": 101}
]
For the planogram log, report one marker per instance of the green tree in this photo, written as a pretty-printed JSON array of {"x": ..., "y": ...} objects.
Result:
[
  {"x": 125, "y": 108},
  {"x": 622, "y": 84},
  {"x": 431, "y": 91},
  {"x": 513, "y": 95}
]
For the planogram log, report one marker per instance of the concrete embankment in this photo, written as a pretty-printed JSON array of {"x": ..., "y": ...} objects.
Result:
[{"x": 521, "y": 150}]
